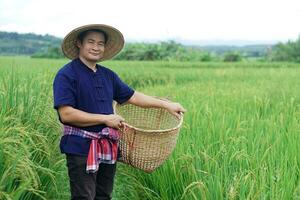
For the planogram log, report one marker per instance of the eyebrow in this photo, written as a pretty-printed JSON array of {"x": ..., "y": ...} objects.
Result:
[{"x": 90, "y": 39}]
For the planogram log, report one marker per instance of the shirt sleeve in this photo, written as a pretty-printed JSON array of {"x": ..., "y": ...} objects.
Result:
[
  {"x": 122, "y": 92},
  {"x": 64, "y": 92}
]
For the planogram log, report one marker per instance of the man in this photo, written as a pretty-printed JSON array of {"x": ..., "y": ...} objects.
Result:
[{"x": 83, "y": 95}]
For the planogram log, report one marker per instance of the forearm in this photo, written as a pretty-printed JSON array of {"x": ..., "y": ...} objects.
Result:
[
  {"x": 145, "y": 101},
  {"x": 139, "y": 99},
  {"x": 80, "y": 118}
]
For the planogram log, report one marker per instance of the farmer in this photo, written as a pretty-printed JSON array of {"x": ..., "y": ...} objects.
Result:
[{"x": 83, "y": 95}]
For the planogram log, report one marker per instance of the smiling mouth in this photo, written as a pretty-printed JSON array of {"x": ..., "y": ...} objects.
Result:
[{"x": 95, "y": 54}]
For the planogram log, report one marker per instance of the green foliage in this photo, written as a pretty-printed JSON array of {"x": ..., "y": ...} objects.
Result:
[
  {"x": 247, "y": 51},
  {"x": 143, "y": 51},
  {"x": 289, "y": 51},
  {"x": 52, "y": 52},
  {"x": 12, "y": 43},
  {"x": 239, "y": 140},
  {"x": 232, "y": 57},
  {"x": 233, "y": 144},
  {"x": 28, "y": 131},
  {"x": 162, "y": 51},
  {"x": 47, "y": 46},
  {"x": 206, "y": 57}
]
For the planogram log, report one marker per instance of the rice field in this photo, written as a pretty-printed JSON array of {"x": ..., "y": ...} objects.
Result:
[{"x": 240, "y": 137}]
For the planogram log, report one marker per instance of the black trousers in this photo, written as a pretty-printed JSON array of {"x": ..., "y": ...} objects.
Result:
[{"x": 95, "y": 186}]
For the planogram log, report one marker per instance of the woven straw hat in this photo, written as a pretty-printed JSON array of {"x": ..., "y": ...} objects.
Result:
[{"x": 113, "y": 45}]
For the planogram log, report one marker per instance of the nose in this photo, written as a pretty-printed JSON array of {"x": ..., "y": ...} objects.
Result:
[{"x": 96, "y": 47}]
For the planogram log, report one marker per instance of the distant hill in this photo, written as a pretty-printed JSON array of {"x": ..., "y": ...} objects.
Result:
[
  {"x": 258, "y": 50},
  {"x": 12, "y": 43}
]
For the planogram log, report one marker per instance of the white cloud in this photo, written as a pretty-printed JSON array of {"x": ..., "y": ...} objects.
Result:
[{"x": 157, "y": 19}]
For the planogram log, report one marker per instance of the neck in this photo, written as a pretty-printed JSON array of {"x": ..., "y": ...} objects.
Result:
[{"x": 89, "y": 64}]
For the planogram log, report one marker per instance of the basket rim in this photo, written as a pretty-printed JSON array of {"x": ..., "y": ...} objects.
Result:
[{"x": 155, "y": 130}]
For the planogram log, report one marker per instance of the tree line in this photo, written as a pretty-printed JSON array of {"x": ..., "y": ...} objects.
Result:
[
  {"x": 164, "y": 51},
  {"x": 47, "y": 46},
  {"x": 172, "y": 51},
  {"x": 12, "y": 43},
  {"x": 289, "y": 51}
]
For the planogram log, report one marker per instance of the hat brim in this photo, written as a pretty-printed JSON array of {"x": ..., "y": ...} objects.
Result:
[{"x": 113, "y": 45}]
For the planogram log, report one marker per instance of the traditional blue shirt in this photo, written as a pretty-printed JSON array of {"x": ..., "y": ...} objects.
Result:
[{"x": 79, "y": 86}]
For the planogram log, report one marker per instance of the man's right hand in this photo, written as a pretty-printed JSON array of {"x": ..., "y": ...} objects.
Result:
[{"x": 114, "y": 121}]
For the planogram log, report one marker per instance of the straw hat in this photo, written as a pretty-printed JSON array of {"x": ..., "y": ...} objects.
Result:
[{"x": 114, "y": 42}]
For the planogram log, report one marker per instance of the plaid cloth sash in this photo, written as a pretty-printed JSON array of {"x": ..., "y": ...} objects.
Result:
[{"x": 103, "y": 148}]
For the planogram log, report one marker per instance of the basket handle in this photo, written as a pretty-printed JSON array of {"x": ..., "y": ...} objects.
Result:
[{"x": 167, "y": 99}]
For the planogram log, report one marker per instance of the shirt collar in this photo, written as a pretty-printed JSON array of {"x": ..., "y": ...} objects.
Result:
[{"x": 83, "y": 66}]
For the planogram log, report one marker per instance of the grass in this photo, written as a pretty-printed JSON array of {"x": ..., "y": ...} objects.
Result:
[{"x": 239, "y": 139}]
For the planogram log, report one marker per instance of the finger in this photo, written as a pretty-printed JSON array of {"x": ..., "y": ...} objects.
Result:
[
  {"x": 119, "y": 126},
  {"x": 183, "y": 110},
  {"x": 177, "y": 115},
  {"x": 122, "y": 123}
]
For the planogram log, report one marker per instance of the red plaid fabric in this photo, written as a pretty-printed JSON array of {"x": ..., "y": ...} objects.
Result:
[{"x": 103, "y": 147}]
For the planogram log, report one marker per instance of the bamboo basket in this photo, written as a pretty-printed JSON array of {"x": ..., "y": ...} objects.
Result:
[{"x": 148, "y": 137}]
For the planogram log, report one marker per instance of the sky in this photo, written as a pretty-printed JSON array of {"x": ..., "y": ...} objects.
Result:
[{"x": 141, "y": 20}]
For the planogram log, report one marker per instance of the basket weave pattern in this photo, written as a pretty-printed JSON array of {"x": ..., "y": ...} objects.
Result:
[{"x": 149, "y": 136}]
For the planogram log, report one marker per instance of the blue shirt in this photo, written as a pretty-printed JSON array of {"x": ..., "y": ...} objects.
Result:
[{"x": 78, "y": 86}]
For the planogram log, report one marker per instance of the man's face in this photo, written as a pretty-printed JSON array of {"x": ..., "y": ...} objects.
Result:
[{"x": 92, "y": 46}]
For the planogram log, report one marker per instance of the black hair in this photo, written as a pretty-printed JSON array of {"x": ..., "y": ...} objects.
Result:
[{"x": 82, "y": 35}]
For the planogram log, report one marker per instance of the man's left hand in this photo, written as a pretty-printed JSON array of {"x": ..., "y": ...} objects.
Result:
[{"x": 175, "y": 109}]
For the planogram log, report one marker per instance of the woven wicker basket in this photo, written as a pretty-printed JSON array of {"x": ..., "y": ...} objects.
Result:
[{"x": 149, "y": 136}]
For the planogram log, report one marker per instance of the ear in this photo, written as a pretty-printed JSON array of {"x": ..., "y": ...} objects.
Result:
[{"x": 78, "y": 44}]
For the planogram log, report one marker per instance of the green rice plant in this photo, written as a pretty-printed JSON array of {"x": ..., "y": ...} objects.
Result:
[
  {"x": 239, "y": 139},
  {"x": 30, "y": 165}
]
